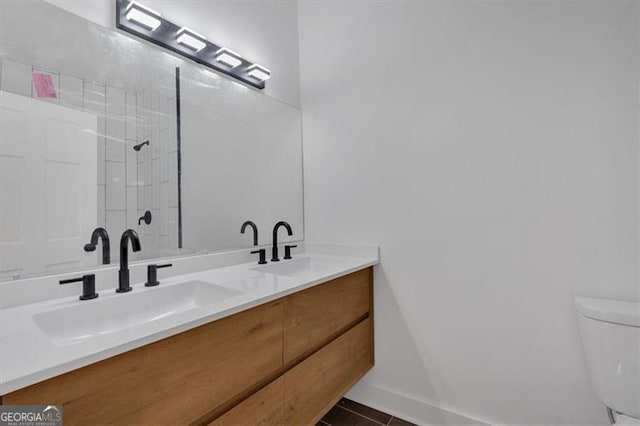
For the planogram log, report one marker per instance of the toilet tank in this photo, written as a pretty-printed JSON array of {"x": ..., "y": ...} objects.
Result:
[{"x": 610, "y": 332}]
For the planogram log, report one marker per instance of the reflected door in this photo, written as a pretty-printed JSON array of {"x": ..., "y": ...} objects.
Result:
[{"x": 48, "y": 186}]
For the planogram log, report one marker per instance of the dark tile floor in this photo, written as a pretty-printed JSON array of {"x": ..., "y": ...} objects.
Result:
[{"x": 351, "y": 413}]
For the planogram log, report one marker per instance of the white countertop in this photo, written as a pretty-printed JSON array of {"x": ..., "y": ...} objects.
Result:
[{"x": 29, "y": 353}]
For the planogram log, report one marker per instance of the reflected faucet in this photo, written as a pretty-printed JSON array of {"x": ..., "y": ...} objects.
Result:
[
  {"x": 274, "y": 250},
  {"x": 106, "y": 246},
  {"x": 255, "y": 231},
  {"x": 123, "y": 277}
]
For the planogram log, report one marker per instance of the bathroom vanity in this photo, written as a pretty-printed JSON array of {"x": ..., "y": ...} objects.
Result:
[
  {"x": 216, "y": 338},
  {"x": 281, "y": 346}
]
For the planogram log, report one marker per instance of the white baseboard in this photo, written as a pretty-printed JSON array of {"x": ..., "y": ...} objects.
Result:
[{"x": 408, "y": 407}]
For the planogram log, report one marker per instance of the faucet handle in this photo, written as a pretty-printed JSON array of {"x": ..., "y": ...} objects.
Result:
[
  {"x": 88, "y": 286},
  {"x": 152, "y": 274},
  {"x": 287, "y": 251},
  {"x": 263, "y": 256}
]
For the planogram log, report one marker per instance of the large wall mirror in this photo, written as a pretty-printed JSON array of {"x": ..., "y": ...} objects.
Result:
[{"x": 100, "y": 130}]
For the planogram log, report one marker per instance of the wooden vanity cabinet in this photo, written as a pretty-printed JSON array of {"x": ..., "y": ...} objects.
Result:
[
  {"x": 316, "y": 315},
  {"x": 285, "y": 362},
  {"x": 172, "y": 381},
  {"x": 315, "y": 385}
]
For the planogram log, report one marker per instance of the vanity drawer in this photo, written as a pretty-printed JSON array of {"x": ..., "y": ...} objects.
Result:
[
  {"x": 265, "y": 407},
  {"x": 312, "y": 387},
  {"x": 303, "y": 394},
  {"x": 318, "y": 314},
  {"x": 173, "y": 381}
]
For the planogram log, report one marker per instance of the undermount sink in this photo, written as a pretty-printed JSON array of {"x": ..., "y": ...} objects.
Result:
[
  {"x": 66, "y": 326},
  {"x": 301, "y": 266}
]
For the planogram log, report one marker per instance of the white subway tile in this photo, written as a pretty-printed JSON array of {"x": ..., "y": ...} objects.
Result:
[
  {"x": 164, "y": 166},
  {"x": 172, "y": 167},
  {"x": 131, "y": 123},
  {"x": 173, "y": 228},
  {"x": 164, "y": 208},
  {"x": 132, "y": 164},
  {"x": 144, "y": 173},
  {"x": 163, "y": 142},
  {"x": 101, "y": 158},
  {"x": 155, "y": 183},
  {"x": 172, "y": 189},
  {"x": 71, "y": 91},
  {"x": 94, "y": 98},
  {"x": 116, "y": 139},
  {"x": 132, "y": 208},
  {"x": 16, "y": 78},
  {"x": 101, "y": 205},
  {"x": 154, "y": 144},
  {"x": 116, "y": 192}
]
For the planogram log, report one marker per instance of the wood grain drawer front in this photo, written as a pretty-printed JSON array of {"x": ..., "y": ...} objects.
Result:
[
  {"x": 265, "y": 407},
  {"x": 312, "y": 387},
  {"x": 173, "y": 381},
  {"x": 317, "y": 314}
]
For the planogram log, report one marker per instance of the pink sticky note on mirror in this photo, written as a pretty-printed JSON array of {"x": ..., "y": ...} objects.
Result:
[{"x": 44, "y": 85}]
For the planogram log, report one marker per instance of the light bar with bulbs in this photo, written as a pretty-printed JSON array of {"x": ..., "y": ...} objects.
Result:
[
  {"x": 143, "y": 22},
  {"x": 191, "y": 39},
  {"x": 142, "y": 15},
  {"x": 228, "y": 57},
  {"x": 258, "y": 72}
]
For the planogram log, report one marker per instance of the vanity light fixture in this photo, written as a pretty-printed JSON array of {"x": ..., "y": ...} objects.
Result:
[
  {"x": 258, "y": 72},
  {"x": 191, "y": 39},
  {"x": 149, "y": 25},
  {"x": 142, "y": 15},
  {"x": 229, "y": 57}
]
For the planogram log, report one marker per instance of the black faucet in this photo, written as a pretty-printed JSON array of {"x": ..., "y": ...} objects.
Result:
[
  {"x": 274, "y": 250},
  {"x": 123, "y": 277},
  {"x": 255, "y": 231},
  {"x": 106, "y": 247}
]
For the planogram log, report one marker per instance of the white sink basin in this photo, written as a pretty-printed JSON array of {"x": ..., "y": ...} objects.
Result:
[
  {"x": 66, "y": 326},
  {"x": 302, "y": 266}
]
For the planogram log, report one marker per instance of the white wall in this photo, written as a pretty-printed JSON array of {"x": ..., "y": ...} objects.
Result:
[
  {"x": 490, "y": 148},
  {"x": 262, "y": 31}
]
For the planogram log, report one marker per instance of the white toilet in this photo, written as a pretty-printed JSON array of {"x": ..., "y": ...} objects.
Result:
[{"x": 611, "y": 338}]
